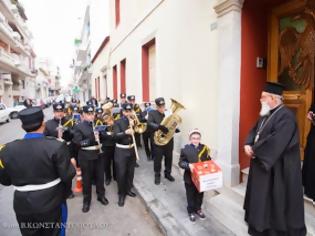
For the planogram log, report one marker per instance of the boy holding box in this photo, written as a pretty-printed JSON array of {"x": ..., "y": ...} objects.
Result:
[{"x": 192, "y": 153}]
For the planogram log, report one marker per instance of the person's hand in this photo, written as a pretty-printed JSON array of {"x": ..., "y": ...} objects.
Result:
[
  {"x": 163, "y": 129},
  {"x": 97, "y": 136},
  {"x": 129, "y": 131},
  {"x": 191, "y": 167},
  {"x": 248, "y": 150},
  {"x": 310, "y": 116},
  {"x": 131, "y": 122}
]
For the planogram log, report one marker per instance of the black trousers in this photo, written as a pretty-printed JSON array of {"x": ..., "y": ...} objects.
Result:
[
  {"x": 194, "y": 198},
  {"x": 167, "y": 152},
  {"x": 43, "y": 224},
  {"x": 146, "y": 137},
  {"x": 138, "y": 139},
  {"x": 89, "y": 169},
  {"x": 125, "y": 162},
  {"x": 109, "y": 164}
]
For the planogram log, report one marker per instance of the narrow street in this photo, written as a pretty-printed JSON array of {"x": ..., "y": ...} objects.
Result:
[{"x": 133, "y": 219}]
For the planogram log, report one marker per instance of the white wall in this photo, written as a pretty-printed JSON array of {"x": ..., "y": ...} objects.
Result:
[{"x": 186, "y": 57}]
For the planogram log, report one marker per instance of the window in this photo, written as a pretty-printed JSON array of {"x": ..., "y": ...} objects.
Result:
[
  {"x": 117, "y": 12},
  {"x": 146, "y": 72},
  {"x": 115, "y": 82},
  {"x": 123, "y": 76}
]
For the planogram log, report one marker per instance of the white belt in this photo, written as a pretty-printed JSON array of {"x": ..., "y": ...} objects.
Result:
[
  {"x": 36, "y": 187},
  {"x": 92, "y": 148},
  {"x": 124, "y": 146}
]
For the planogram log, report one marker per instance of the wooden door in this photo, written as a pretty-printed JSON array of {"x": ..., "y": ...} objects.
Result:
[{"x": 291, "y": 57}]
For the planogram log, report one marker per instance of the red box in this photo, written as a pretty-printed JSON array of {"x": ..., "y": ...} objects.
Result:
[{"x": 207, "y": 176}]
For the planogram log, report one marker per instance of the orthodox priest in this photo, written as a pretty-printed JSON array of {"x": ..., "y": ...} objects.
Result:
[{"x": 274, "y": 202}]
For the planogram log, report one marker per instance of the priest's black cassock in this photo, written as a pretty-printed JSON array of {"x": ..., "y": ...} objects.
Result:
[
  {"x": 308, "y": 170},
  {"x": 274, "y": 202}
]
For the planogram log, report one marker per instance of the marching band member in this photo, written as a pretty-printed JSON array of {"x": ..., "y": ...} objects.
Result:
[
  {"x": 125, "y": 156},
  {"x": 147, "y": 134},
  {"x": 61, "y": 127},
  {"x": 138, "y": 111},
  {"x": 154, "y": 122},
  {"x": 40, "y": 179},
  {"x": 122, "y": 99},
  {"x": 87, "y": 139},
  {"x": 192, "y": 153},
  {"x": 108, "y": 147}
]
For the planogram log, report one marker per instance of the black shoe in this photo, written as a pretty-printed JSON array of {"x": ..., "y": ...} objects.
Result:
[
  {"x": 157, "y": 180},
  {"x": 103, "y": 200},
  {"x": 107, "y": 181},
  {"x": 131, "y": 194},
  {"x": 192, "y": 217},
  {"x": 200, "y": 214},
  {"x": 71, "y": 195},
  {"x": 169, "y": 177},
  {"x": 86, "y": 207},
  {"x": 137, "y": 165},
  {"x": 121, "y": 201}
]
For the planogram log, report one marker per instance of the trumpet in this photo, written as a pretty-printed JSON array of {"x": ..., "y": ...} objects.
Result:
[{"x": 139, "y": 127}]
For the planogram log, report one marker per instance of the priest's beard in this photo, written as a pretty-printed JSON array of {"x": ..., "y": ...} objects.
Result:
[{"x": 265, "y": 109}]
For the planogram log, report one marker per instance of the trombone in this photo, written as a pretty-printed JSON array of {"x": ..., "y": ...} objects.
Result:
[{"x": 133, "y": 139}]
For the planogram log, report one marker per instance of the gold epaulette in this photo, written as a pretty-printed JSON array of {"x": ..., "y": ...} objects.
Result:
[
  {"x": 98, "y": 122},
  {"x": 2, "y": 146}
]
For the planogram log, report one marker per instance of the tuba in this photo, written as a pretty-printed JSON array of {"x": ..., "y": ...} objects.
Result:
[{"x": 171, "y": 122}]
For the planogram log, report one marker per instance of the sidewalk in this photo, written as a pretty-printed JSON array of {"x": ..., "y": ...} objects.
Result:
[
  {"x": 224, "y": 208},
  {"x": 167, "y": 203}
]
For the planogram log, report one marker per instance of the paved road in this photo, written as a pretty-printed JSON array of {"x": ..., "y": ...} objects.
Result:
[{"x": 133, "y": 219}]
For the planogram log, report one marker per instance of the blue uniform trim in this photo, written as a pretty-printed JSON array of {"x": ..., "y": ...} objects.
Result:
[
  {"x": 33, "y": 135},
  {"x": 64, "y": 217}
]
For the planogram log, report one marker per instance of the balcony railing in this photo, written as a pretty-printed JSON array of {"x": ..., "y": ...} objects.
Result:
[{"x": 15, "y": 61}]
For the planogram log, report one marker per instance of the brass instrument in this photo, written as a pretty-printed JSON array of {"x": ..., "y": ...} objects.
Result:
[
  {"x": 171, "y": 122},
  {"x": 139, "y": 127},
  {"x": 97, "y": 133},
  {"x": 60, "y": 130},
  {"x": 133, "y": 138}
]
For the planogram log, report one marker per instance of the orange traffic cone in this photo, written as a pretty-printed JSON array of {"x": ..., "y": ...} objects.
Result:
[{"x": 78, "y": 185}]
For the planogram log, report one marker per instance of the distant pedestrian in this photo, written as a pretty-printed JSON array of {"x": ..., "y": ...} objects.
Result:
[
  {"x": 274, "y": 202},
  {"x": 27, "y": 102}
]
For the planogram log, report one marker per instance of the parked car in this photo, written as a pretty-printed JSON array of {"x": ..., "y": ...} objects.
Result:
[
  {"x": 4, "y": 114},
  {"x": 15, "y": 110}
]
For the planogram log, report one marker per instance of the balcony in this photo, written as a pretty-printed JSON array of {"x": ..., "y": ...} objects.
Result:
[
  {"x": 13, "y": 63},
  {"x": 11, "y": 13},
  {"x": 83, "y": 50},
  {"x": 6, "y": 32}
]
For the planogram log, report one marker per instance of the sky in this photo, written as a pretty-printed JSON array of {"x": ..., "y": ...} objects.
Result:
[{"x": 54, "y": 25}]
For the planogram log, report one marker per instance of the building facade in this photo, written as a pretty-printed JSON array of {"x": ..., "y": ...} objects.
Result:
[
  {"x": 214, "y": 57},
  {"x": 16, "y": 55}
]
